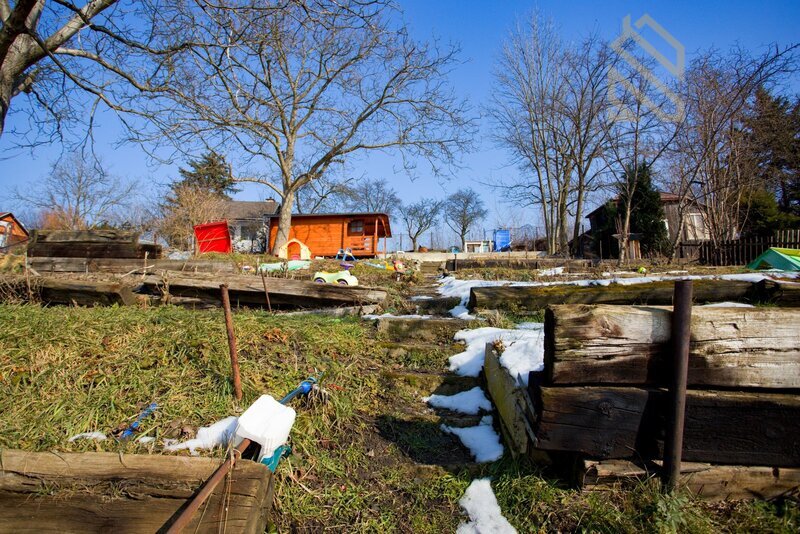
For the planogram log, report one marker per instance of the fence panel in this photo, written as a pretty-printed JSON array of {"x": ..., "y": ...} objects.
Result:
[{"x": 740, "y": 251}]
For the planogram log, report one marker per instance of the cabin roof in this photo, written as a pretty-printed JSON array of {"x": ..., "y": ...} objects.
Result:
[
  {"x": 4, "y": 214},
  {"x": 666, "y": 198}
]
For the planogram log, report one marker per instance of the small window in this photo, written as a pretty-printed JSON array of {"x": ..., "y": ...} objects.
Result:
[{"x": 356, "y": 227}]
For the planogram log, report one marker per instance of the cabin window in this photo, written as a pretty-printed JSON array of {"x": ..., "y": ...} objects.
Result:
[{"x": 356, "y": 227}]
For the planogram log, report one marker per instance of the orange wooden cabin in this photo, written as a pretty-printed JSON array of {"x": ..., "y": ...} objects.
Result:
[
  {"x": 11, "y": 231},
  {"x": 325, "y": 234}
]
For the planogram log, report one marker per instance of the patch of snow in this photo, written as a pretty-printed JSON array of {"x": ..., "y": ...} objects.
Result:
[
  {"x": 728, "y": 305},
  {"x": 481, "y": 440},
  {"x": 485, "y": 516},
  {"x": 208, "y": 437},
  {"x": 524, "y": 346},
  {"x": 550, "y": 272},
  {"x": 468, "y": 402},
  {"x": 421, "y": 297},
  {"x": 99, "y": 436},
  {"x": 526, "y": 354},
  {"x": 461, "y": 312},
  {"x": 390, "y": 316},
  {"x": 144, "y": 440}
]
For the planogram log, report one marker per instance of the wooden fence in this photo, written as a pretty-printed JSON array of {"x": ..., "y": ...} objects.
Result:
[{"x": 739, "y": 251}]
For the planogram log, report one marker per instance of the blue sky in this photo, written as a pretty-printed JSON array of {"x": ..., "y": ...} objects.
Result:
[{"x": 479, "y": 28}]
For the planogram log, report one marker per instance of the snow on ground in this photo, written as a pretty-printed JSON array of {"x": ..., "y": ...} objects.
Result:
[
  {"x": 524, "y": 355},
  {"x": 727, "y": 305},
  {"x": 99, "y": 436},
  {"x": 485, "y": 516},
  {"x": 468, "y": 402},
  {"x": 390, "y": 316},
  {"x": 421, "y": 297},
  {"x": 208, "y": 437},
  {"x": 524, "y": 349},
  {"x": 482, "y": 441}
]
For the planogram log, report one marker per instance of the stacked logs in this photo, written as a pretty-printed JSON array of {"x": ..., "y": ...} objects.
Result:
[{"x": 602, "y": 399}]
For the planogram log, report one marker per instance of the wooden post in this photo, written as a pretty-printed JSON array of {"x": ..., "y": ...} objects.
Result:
[
  {"x": 681, "y": 333},
  {"x": 226, "y": 305},
  {"x": 455, "y": 262},
  {"x": 266, "y": 293}
]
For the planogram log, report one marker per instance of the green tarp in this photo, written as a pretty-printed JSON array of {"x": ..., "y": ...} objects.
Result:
[{"x": 785, "y": 259}]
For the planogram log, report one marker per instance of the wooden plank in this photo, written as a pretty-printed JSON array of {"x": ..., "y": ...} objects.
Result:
[
  {"x": 108, "y": 492},
  {"x": 507, "y": 396},
  {"x": 721, "y": 426},
  {"x": 249, "y": 290},
  {"x": 533, "y": 298},
  {"x": 730, "y": 347},
  {"x": 705, "y": 481},
  {"x": 93, "y": 250},
  {"x": 427, "y": 330},
  {"x": 127, "y": 265},
  {"x": 87, "y": 236},
  {"x": 82, "y": 292}
]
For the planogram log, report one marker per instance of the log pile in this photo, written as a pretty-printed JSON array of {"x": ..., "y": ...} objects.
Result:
[
  {"x": 602, "y": 400},
  {"x": 90, "y": 244}
]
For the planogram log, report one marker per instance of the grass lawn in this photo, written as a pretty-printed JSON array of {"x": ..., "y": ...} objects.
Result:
[{"x": 373, "y": 459}]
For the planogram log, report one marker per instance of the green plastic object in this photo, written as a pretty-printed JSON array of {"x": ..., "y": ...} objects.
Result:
[
  {"x": 291, "y": 265},
  {"x": 784, "y": 259}
]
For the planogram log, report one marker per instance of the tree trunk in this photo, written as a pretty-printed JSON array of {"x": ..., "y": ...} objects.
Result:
[
  {"x": 5, "y": 101},
  {"x": 284, "y": 221},
  {"x": 463, "y": 242},
  {"x": 413, "y": 243}
]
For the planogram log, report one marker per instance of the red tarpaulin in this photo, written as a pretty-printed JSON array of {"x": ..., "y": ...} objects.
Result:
[{"x": 213, "y": 237}]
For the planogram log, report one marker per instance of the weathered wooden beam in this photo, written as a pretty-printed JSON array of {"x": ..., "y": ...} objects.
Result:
[
  {"x": 705, "y": 481},
  {"x": 87, "y": 236},
  {"x": 82, "y": 292},
  {"x": 127, "y": 265},
  {"x": 410, "y": 328},
  {"x": 534, "y": 298},
  {"x": 82, "y": 249},
  {"x": 508, "y": 397},
  {"x": 102, "y": 492},
  {"x": 721, "y": 426},
  {"x": 249, "y": 290},
  {"x": 730, "y": 347}
]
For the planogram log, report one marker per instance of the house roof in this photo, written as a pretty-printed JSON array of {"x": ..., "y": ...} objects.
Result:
[
  {"x": 5, "y": 214},
  {"x": 250, "y": 209},
  {"x": 666, "y": 198}
]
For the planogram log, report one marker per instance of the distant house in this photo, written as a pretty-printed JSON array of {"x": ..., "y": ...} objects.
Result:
[
  {"x": 247, "y": 221},
  {"x": 11, "y": 231},
  {"x": 327, "y": 233},
  {"x": 694, "y": 228}
]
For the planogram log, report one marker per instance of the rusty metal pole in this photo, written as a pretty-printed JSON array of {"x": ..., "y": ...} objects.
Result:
[
  {"x": 226, "y": 306},
  {"x": 264, "y": 282},
  {"x": 681, "y": 332},
  {"x": 187, "y": 514}
]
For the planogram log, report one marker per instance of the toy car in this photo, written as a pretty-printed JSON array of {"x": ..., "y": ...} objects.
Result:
[{"x": 343, "y": 278}]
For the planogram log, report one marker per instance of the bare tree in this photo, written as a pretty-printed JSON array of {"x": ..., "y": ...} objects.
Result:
[
  {"x": 67, "y": 59},
  {"x": 461, "y": 211},
  {"x": 326, "y": 194},
  {"x": 310, "y": 86},
  {"x": 79, "y": 195},
  {"x": 710, "y": 164},
  {"x": 419, "y": 217},
  {"x": 550, "y": 108},
  {"x": 188, "y": 207},
  {"x": 373, "y": 196}
]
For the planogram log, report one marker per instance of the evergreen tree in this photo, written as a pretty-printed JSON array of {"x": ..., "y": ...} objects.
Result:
[
  {"x": 211, "y": 173},
  {"x": 774, "y": 141},
  {"x": 764, "y": 215},
  {"x": 647, "y": 211}
]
